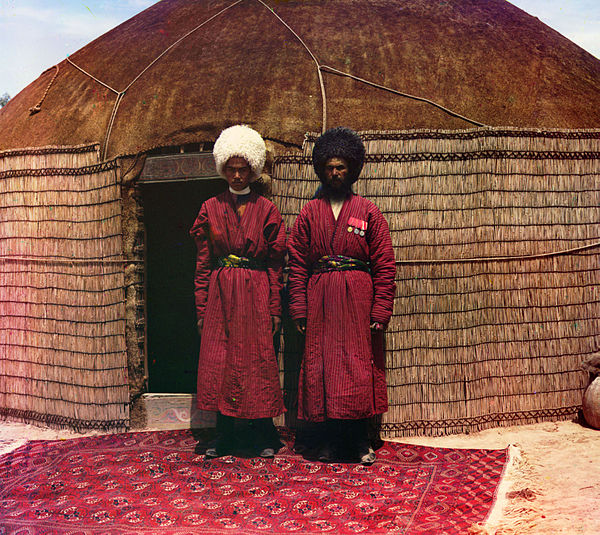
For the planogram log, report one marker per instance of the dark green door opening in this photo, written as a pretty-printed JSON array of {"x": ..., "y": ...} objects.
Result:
[{"x": 170, "y": 209}]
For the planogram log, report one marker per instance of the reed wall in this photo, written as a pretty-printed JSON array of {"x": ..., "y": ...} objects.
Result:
[
  {"x": 496, "y": 234},
  {"x": 63, "y": 358}
]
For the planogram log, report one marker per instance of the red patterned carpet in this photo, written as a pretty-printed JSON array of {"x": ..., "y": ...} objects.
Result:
[{"x": 154, "y": 483}]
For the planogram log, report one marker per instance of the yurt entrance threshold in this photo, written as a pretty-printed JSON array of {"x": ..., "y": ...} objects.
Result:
[{"x": 173, "y": 187}]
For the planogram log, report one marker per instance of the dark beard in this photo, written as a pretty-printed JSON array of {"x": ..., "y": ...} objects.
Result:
[{"x": 338, "y": 193}]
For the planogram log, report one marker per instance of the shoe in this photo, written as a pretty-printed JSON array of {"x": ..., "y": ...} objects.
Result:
[
  {"x": 325, "y": 454},
  {"x": 299, "y": 449},
  {"x": 367, "y": 458},
  {"x": 211, "y": 453},
  {"x": 267, "y": 453},
  {"x": 217, "y": 451}
]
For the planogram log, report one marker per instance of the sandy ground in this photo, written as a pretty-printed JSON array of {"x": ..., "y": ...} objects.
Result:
[{"x": 551, "y": 487}]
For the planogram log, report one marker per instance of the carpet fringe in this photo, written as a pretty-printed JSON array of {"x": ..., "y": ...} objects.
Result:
[{"x": 513, "y": 512}]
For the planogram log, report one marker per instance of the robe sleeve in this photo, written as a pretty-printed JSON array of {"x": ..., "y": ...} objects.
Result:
[
  {"x": 274, "y": 233},
  {"x": 200, "y": 233},
  {"x": 383, "y": 267},
  {"x": 300, "y": 268}
]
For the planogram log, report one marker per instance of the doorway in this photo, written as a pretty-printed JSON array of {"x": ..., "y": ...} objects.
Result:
[{"x": 170, "y": 208}]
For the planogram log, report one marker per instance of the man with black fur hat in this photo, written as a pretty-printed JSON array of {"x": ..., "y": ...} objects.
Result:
[{"x": 341, "y": 286}]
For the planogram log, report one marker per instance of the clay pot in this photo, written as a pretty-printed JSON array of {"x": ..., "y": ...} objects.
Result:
[{"x": 591, "y": 404}]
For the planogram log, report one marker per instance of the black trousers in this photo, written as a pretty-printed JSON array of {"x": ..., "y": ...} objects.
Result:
[
  {"x": 243, "y": 434},
  {"x": 345, "y": 437}
]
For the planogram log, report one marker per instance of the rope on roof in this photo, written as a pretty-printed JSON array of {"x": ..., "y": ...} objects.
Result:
[
  {"x": 121, "y": 94},
  {"x": 320, "y": 69},
  {"x": 179, "y": 41},
  {"x": 38, "y": 106},
  {"x": 323, "y": 95},
  {"x": 326, "y": 68},
  {"x": 92, "y": 77}
]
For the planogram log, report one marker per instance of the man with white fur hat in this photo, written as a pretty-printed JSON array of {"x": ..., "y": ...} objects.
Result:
[
  {"x": 341, "y": 287},
  {"x": 240, "y": 239}
]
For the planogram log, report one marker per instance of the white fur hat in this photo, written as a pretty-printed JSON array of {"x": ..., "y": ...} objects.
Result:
[{"x": 240, "y": 140}]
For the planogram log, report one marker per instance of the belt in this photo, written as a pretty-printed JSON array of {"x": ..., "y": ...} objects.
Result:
[
  {"x": 339, "y": 263},
  {"x": 235, "y": 261}
]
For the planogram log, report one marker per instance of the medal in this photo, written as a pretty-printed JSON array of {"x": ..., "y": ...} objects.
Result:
[{"x": 357, "y": 225}]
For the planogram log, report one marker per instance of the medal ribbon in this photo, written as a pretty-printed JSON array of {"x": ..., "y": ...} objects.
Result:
[{"x": 357, "y": 223}]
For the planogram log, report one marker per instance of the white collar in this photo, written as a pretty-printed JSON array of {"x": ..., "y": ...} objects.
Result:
[{"x": 245, "y": 191}]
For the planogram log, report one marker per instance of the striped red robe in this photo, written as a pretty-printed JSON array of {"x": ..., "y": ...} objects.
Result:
[
  {"x": 238, "y": 374},
  {"x": 343, "y": 369}
]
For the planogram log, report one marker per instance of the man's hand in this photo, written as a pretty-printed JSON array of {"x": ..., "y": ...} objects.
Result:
[
  {"x": 275, "y": 323},
  {"x": 200, "y": 322},
  {"x": 375, "y": 326},
  {"x": 301, "y": 325}
]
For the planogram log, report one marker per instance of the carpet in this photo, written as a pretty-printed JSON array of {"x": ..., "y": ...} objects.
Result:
[{"x": 154, "y": 483}]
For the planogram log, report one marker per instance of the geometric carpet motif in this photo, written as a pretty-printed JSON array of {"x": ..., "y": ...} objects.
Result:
[{"x": 154, "y": 483}]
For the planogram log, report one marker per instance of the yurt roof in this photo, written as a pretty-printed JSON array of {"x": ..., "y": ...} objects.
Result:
[{"x": 485, "y": 60}]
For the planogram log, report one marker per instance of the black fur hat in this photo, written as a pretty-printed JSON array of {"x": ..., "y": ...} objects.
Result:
[{"x": 339, "y": 142}]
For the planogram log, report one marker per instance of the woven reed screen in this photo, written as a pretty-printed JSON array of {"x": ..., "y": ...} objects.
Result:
[
  {"x": 490, "y": 341},
  {"x": 62, "y": 345}
]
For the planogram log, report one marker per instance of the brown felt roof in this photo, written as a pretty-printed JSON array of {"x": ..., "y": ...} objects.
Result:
[{"x": 484, "y": 59}]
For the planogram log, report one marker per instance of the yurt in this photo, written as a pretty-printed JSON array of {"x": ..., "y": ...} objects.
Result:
[{"x": 482, "y": 130}]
